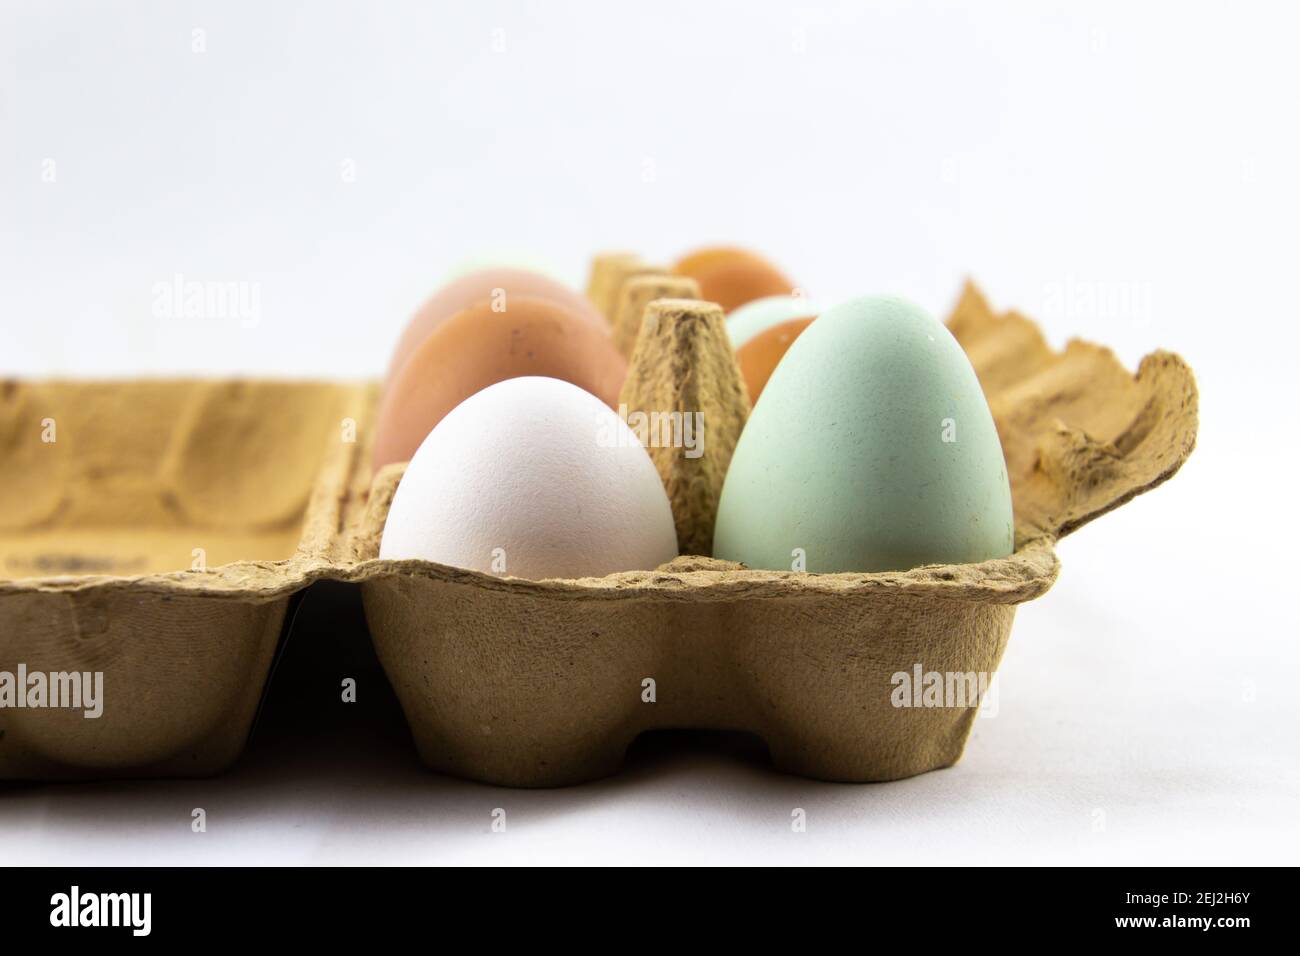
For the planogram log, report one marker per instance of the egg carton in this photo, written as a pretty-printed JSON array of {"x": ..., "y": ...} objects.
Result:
[
  {"x": 155, "y": 533},
  {"x": 159, "y": 531}
]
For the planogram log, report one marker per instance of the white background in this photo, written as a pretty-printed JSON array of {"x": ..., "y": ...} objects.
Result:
[{"x": 1123, "y": 172}]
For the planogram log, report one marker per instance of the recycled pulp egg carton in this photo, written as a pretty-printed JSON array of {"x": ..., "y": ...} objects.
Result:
[
  {"x": 157, "y": 533},
  {"x": 153, "y": 535},
  {"x": 546, "y": 683}
]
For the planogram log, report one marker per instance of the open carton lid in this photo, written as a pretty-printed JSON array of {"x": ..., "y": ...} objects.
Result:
[{"x": 1080, "y": 433}]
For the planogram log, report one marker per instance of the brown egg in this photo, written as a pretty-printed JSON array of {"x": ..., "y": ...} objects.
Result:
[
  {"x": 759, "y": 356},
  {"x": 731, "y": 277},
  {"x": 461, "y": 293},
  {"x": 479, "y": 347}
]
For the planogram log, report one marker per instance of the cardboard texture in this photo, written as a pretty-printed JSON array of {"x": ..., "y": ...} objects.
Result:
[
  {"x": 158, "y": 539},
  {"x": 525, "y": 683},
  {"x": 638, "y": 292},
  {"x": 682, "y": 373}
]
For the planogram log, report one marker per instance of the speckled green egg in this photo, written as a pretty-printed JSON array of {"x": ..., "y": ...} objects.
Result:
[{"x": 872, "y": 448}]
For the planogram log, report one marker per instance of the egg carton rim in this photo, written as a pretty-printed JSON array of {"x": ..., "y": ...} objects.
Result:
[{"x": 1023, "y": 576}]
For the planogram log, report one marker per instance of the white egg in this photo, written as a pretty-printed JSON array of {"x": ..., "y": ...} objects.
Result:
[
  {"x": 534, "y": 478},
  {"x": 760, "y": 315}
]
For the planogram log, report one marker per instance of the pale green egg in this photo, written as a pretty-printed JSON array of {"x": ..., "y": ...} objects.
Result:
[
  {"x": 758, "y": 316},
  {"x": 872, "y": 448}
]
